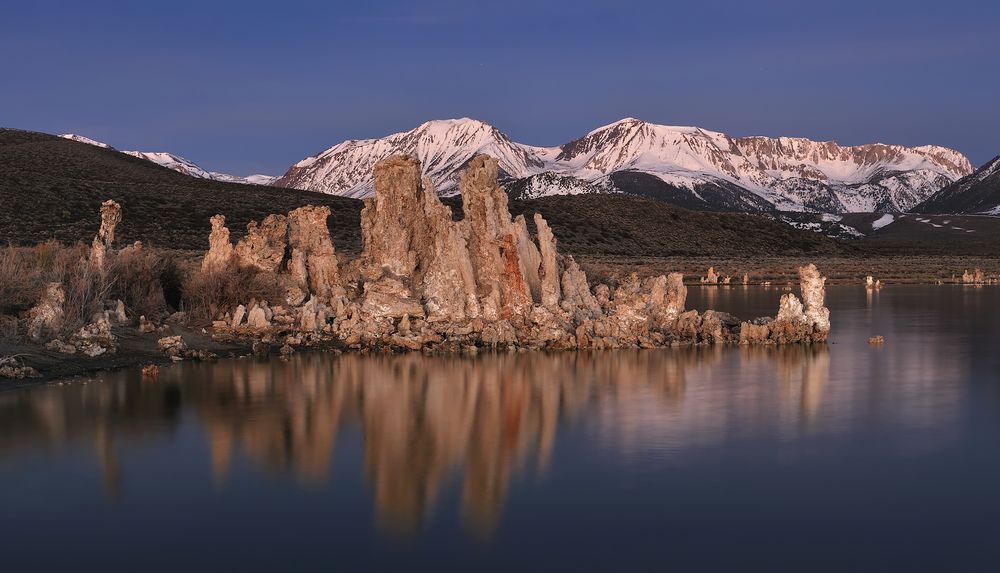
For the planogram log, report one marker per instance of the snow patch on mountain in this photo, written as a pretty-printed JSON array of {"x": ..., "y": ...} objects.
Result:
[
  {"x": 883, "y": 221},
  {"x": 787, "y": 174},
  {"x": 178, "y": 163},
  {"x": 443, "y": 147},
  {"x": 84, "y": 139}
]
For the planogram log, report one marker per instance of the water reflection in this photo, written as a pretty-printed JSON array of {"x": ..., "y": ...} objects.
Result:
[{"x": 425, "y": 421}]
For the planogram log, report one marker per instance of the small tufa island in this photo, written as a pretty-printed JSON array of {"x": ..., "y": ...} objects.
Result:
[{"x": 425, "y": 281}]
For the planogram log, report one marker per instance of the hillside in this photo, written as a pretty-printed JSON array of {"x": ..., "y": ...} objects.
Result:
[
  {"x": 52, "y": 187},
  {"x": 975, "y": 193}
]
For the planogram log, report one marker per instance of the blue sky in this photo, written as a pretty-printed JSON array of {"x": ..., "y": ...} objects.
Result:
[{"x": 246, "y": 87}]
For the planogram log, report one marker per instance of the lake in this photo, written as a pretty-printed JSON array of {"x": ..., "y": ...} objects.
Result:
[{"x": 837, "y": 457}]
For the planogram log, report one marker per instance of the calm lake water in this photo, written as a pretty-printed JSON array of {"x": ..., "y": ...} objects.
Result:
[{"x": 838, "y": 457}]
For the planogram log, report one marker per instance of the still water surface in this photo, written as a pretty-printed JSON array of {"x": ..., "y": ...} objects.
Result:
[{"x": 837, "y": 457}]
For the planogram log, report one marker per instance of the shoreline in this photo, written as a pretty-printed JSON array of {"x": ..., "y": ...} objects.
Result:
[{"x": 138, "y": 349}]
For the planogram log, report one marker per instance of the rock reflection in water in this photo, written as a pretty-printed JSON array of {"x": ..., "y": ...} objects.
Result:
[{"x": 425, "y": 421}]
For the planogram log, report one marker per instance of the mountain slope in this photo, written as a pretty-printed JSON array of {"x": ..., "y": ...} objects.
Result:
[
  {"x": 52, "y": 188},
  {"x": 976, "y": 193},
  {"x": 178, "y": 163},
  {"x": 694, "y": 167}
]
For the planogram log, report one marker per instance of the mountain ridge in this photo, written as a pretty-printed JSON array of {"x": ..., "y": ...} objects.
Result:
[
  {"x": 753, "y": 173},
  {"x": 976, "y": 193},
  {"x": 177, "y": 163}
]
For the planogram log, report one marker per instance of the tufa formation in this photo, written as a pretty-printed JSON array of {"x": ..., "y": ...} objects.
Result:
[{"x": 425, "y": 281}]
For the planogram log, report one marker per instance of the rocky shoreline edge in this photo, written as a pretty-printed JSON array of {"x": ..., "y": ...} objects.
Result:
[{"x": 424, "y": 282}]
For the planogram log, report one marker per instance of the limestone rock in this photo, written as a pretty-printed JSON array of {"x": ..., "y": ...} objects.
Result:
[
  {"x": 220, "y": 249},
  {"x": 791, "y": 324},
  {"x": 95, "y": 338},
  {"x": 813, "y": 288},
  {"x": 576, "y": 291},
  {"x": 257, "y": 317},
  {"x": 313, "y": 315},
  {"x": 529, "y": 257},
  {"x": 313, "y": 264},
  {"x": 391, "y": 298},
  {"x": 11, "y": 367},
  {"x": 711, "y": 278},
  {"x": 427, "y": 282},
  {"x": 173, "y": 346},
  {"x": 753, "y": 333},
  {"x": 263, "y": 247},
  {"x": 449, "y": 283},
  {"x": 493, "y": 249},
  {"x": 549, "y": 267},
  {"x": 238, "y": 315},
  {"x": 46, "y": 318},
  {"x": 111, "y": 215},
  {"x": 393, "y": 230},
  {"x": 118, "y": 312}
]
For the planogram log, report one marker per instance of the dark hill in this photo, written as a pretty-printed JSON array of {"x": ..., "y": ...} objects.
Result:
[{"x": 51, "y": 187}]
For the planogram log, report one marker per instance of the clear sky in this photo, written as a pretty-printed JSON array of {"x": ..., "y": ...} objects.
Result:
[{"x": 246, "y": 87}]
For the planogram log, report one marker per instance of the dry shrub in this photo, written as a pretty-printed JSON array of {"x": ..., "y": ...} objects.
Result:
[
  {"x": 141, "y": 278},
  {"x": 137, "y": 277},
  {"x": 20, "y": 280},
  {"x": 206, "y": 294},
  {"x": 85, "y": 288}
]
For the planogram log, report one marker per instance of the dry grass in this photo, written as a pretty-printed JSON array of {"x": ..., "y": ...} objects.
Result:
[
  {"x": 205, "y": 294},
  {"x": 144, "y": 280},
  {"x": 139, "y": 278}
]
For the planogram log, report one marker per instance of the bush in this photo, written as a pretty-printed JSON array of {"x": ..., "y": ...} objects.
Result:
[
  {"x": 205, "y": 294},
  {"x": 20, "y": 280},
  {"x": 140, "y": 278}
]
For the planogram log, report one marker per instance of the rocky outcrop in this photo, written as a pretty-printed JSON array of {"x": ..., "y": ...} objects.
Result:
[
  {"x": 806, "y": 320},
  {"x": 95, "y": 338},
  {"x": 313, "y": 264},
  {"x": 711, "y": 278},
  {"x": 220, "y": 250},
  {"x": 46, "y": 318},
  {"x": 549, "y": 268},
  {"x": 976, "y": 277},
  {"x": 813, "y": 287},
  {"x": 425, "y": 281},
  {"x": 263, "y": 247},
  {"x": 493, "y": 243},
  {"x": 111, "y": 215}
]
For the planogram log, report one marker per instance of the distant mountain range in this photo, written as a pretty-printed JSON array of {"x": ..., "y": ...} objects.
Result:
[
  {"x": 178, "y": 163},
  {"x": 688, "y": 166}
]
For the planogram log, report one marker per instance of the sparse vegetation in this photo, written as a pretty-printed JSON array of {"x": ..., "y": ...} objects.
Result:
[
  {"x": 205, "y": 293},
  {"x": 139, "y": 278}
]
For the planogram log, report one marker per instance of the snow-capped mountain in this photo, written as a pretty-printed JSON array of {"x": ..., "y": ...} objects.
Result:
[
  {"x": 978, "y": 193},
  {"x": 690, "y": 166},
  {"x": 178, "y": 163},
  {"x": 442, "y": 146}
]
